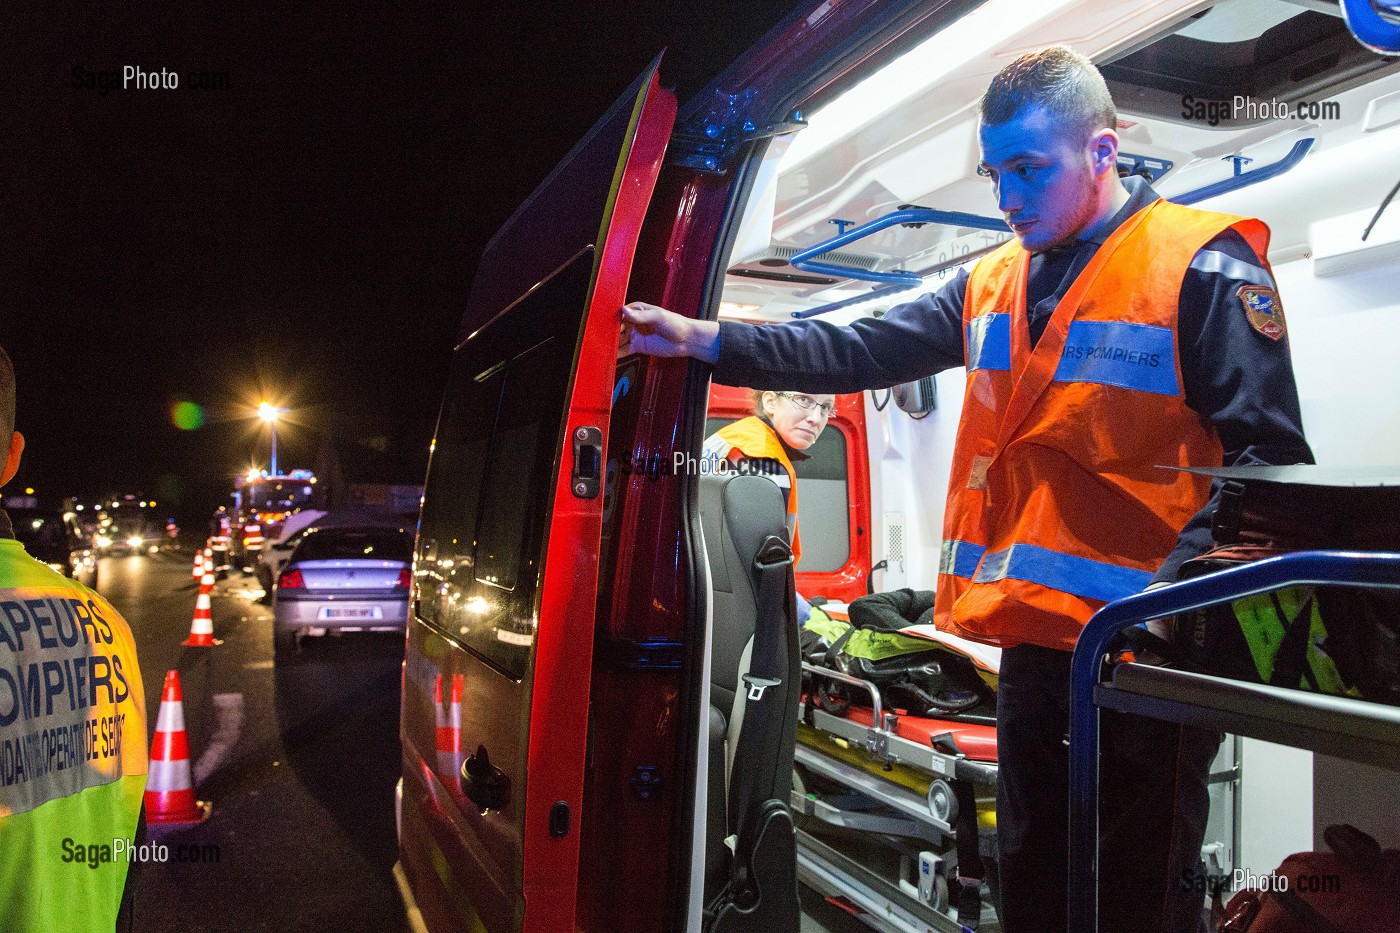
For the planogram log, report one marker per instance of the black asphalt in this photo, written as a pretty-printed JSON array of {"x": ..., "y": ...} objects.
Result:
[
  {"x": 301, "y": 773},
  {"x": 299, "y": 761}
]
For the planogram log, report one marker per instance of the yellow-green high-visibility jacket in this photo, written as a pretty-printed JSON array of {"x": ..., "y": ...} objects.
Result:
[{"x": 72, "y": 749}]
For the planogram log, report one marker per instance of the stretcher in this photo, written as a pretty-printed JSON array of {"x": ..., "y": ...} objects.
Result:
[
  {"x": 879, "y": 797},
  {"x": 1342, "y": 727}
]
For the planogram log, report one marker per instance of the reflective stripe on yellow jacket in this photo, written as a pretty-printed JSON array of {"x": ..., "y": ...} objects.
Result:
[
  {"x": 72, "y": 749},
  {"x": 1057, "y": 503}
]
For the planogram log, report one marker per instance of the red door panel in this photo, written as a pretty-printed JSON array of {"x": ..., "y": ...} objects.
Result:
[{"x": 500, "y": 640}]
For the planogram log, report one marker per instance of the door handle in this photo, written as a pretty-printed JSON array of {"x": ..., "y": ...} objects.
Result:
[
  {"x": 483, "y": 783},
  {"x": 587, "y": 479}
]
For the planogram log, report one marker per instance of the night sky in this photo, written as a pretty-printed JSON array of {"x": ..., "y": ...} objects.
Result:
[{"x": 305, "y": 234}]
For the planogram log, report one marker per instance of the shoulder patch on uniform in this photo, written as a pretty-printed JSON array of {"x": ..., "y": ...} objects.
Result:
[{"x": 1264, "y": 310}]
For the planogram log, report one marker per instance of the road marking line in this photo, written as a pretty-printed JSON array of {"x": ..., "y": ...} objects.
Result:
[{"x": 228, "y": 727}]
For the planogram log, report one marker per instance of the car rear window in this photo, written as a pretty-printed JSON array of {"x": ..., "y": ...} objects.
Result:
[{"x": 372, "y": 544}]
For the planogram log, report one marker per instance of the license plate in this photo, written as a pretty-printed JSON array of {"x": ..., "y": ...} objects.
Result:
[{"x": 351, "y": 612}]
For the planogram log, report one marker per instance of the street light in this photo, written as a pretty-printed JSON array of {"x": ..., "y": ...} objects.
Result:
[{"x": 269, "y": 413}]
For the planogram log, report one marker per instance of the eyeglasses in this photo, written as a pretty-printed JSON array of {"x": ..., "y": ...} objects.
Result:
[{"x": 807, "y": 403}]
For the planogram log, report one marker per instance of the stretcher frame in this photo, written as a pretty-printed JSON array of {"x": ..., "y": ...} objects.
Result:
[
  {"x": 1357, "y": 730},
  {"x": 886, "y": 905}
]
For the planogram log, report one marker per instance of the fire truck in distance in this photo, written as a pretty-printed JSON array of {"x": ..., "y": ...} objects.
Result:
[{"x": 261, "y": 503}]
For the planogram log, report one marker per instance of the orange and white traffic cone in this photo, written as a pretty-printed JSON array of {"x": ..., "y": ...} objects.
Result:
[
  {"x": 449, "y": 730},
  {"x": 198, "y": 566},
  {"x": 169, "y": 786},
  {"x": 206, "y": 582},
  {"x": 202, "y": 625}
]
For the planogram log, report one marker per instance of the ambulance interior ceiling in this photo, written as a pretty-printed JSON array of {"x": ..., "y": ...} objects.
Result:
[{"x": 906, "y": 135}]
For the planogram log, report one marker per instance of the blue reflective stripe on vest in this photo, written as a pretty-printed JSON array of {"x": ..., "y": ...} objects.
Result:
[
  {"x": 960, "y": 558},
  {"x": 989, "y": 342},
  {"x": 1114, "y": 353},
  {"x": 1081, "y": 576}
]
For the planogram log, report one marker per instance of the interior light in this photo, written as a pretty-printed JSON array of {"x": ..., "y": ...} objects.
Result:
[
  {"x": 916, "y": 71},
  {"x": 734, "y": 307}
]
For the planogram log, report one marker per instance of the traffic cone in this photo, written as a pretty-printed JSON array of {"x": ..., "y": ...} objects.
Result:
[
  {"x": 169, "y": 785},
  {"x": 198, "y": 565},
  {"x": 202, "y": 625},
  {"x": 206, "y": 582},
  {"x": 449, "y": 729}
]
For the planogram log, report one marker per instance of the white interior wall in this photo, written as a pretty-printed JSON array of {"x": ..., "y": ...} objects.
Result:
[
  {"x": 909, "y": 466},
  {"x": 1275, "y": 804},
  {"x": 1344, "y": 332}
]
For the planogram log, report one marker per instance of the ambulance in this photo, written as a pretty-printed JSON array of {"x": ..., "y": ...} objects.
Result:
[{"x": 582, "y": 748}]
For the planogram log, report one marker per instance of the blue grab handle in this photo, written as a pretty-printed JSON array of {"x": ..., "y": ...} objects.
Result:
[
  {"x": 807, "y": 259},
  {"x": 1372, "y": 29}
]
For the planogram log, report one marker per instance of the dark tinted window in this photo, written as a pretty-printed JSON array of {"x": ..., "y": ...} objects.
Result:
[
  {"x": 490, "y": 483},
  {"x": 353, "y": 543}
]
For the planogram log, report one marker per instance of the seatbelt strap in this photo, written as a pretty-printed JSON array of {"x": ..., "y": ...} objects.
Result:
[
  {"x": 761, "y": 894},
  {"x": 970, "y": 871},
  {"x": 774, "y": 660}
]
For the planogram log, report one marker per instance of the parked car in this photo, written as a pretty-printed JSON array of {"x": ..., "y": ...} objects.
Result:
[
  {"x": 349, "y": 579},
  {"x": 54, "y": 537},
  {"x": 273, "y": 558}
]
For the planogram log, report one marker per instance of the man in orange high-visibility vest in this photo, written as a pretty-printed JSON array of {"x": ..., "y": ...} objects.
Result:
[
  {"x": 1117, "y": 333},
  {"x": 72, "y": 737}
]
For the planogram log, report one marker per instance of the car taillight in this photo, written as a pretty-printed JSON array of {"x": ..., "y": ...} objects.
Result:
[
  {"x": 291, "y": 580},
  {"x": 404, "y": 579}
]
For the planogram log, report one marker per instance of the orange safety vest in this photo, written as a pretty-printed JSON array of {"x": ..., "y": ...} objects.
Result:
[
  {"x": 752, "y": 439},
  {"x": 1056, "y": 503}
]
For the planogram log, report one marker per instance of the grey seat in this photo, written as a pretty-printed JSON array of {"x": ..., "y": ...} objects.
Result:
[{"x": 737, "y": 514}]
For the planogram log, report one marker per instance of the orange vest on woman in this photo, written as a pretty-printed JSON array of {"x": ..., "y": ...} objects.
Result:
[
  {"x": 750, "y": 444},
  {"x": 1057, "y": 502}
]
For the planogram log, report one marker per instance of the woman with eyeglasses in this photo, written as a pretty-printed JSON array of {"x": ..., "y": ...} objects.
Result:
[{"x": 783, "y": 425}]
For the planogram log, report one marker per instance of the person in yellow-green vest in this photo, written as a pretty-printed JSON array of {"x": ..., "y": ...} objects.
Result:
[
  {"x": 783, "y": 425},
  {"x": 72, "y": 737}
]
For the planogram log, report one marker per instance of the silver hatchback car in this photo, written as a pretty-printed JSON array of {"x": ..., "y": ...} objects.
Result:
[{"x": 350, "y": 579}]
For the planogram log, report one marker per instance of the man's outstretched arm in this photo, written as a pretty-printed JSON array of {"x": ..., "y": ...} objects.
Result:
[
  {"x": 913, "y": 340},
  {"x": 658, "y": 332}
]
